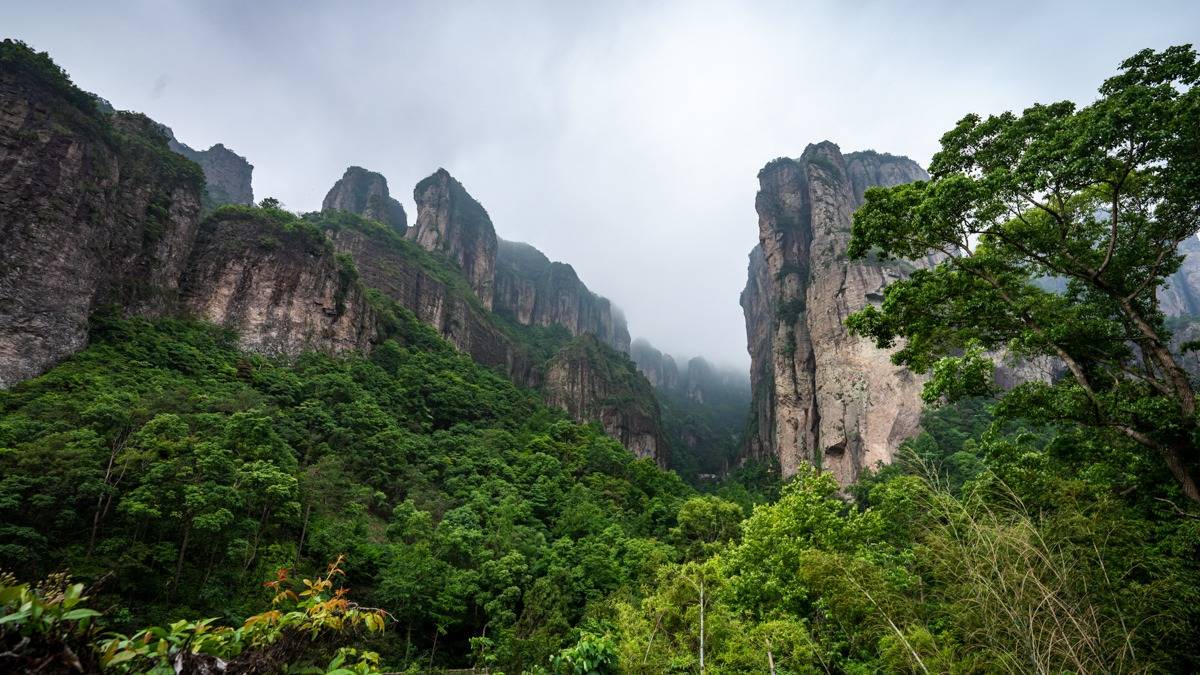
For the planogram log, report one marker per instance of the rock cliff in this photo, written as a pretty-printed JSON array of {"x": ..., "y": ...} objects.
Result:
[
  {"x": 228, "y": 175},
  {"x": 820, "y": 395},
  {"x": 97, "y": 211},
  {"x": 534, "y": 291},
  {"x": 94, "y": 210},
  {"x": 593, "y": 382},
  {"x": 434, "y": 292},
  {"x": 366, "y": 193},
  {"x": 451, "y": 222},
  {"x": 280, "y": 287},
  {"x": 1181, "y": 294}
]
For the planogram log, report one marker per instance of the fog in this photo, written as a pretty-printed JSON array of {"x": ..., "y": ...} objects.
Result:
[{"x": 621, "y": 137}]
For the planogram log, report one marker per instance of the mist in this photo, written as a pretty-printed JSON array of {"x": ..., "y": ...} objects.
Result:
[{"x": 621, "y": 137}]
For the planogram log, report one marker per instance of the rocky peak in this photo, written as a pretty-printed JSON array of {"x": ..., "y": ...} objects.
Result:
[
  {"x": 451, "y": 222},
  {"x": 535, "y": 291},
  {"x": 366, "y": 193},
  {"x": 822, "y": 396},
  {"x": 228, "y": 175}
]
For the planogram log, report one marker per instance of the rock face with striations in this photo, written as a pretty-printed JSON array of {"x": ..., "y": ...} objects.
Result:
[
  {"x": 94, "y": 211},
  {"x": 821, "y": 396},
  {"x": 451, "y": 222},
  {"x": 282, "y": 290},
  {"x": 437, "y": 296},
  {"x": 366, "y": 193},
  {"x": 1181, "y": 294},
  {"x": 97, "y": 211},
  {"x": 593, "y": 382},
  {"x": 228, "y": 175},
  {"x": 534, "y": 291},
  {"x": 659, "y": 368}
]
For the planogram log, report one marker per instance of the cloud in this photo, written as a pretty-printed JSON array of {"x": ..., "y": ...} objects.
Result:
[{"x": 621, "y": 137}]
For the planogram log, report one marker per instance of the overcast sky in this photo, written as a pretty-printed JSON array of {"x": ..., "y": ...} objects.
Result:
[{"x": 621, "y": 137}]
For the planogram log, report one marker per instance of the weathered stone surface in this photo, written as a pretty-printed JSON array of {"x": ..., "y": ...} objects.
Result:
[
  {"x": 366, "y": 193},
  {"x": 283, "y": 292},
  {"x": 93, "y": 211},
  {"x": 227, "y": 173},
  {"x": 820, "y": 395},
  {"x": 534, "y": 291},
  {"x": 593, "y": 382},
  {"x": 451, "y": 222},
  {"x": 395, "y": 267}
]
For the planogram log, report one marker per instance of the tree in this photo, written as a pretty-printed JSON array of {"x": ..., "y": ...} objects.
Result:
[{"x": 1099, "y": 196}]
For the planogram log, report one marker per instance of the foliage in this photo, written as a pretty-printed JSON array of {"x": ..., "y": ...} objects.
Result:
[
  {"x": 1101, "y": 196},
  {"x": 45, "y": 628}
]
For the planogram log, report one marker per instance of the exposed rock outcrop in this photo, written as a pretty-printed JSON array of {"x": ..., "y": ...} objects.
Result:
[
  {"x": 820, "y": 395},
  {"x": 228, "y": 175},
  {"x": 366, "y": 193},
  {"x": 97, "y": 211},
  {"x": 281, "y": 290},
  {"x": 93, "y": 211},
  {"x": 451, "y": 222},
  {"x": 593, "y": 382},
  {"x": 437, "y": 295},
  {"x": 534, "y": 291}
]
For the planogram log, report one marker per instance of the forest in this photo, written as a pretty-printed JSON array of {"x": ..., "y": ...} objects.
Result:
[{"x": 171, "y": 502}]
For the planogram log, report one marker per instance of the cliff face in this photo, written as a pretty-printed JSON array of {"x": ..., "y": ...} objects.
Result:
[
  {"x": 451, "y": 222},
  {"x": 97, "y": 211},
  {"x": 533, "y": 291},
  {"x": 820, "y": 395},
  {"x": 93, "y": 211},
  {"x": 366, "y": 193},
  {"x": 593, "y": 382},
  {"x": 437, "y": 296},
  {"x": 227, "y": 173},
  {"x": 282, "y": 290}
]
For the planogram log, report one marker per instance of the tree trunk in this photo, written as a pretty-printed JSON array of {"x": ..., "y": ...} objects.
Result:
[{"x": 1177, "y": 463}]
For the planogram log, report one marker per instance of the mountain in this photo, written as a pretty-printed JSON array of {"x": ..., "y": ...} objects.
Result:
[
  {"x": 532, "y": 290},
  {"x": 366, "y": 193},
  {"x": 820, "y": 395},
  {"x": 704, "y": 410},
  {"x": 103, "y": 210},
  {"x": 227, "y": 174}
]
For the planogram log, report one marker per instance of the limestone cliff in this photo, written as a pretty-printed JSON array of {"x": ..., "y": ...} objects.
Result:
[
  {"x": 593, "y": 382},
  {"x": 94, "y": 210},
  {"x": 533, "y": 291},
  {"x": 366, "y": 193},
  {"x": 820, "y": 395},
  {"x": 452, "y": 223},
  {"x": 228, "y": 175},
  {"x": 280, "y": 288}
]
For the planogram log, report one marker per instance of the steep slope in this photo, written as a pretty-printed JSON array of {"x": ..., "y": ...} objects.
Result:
[
  {"x": 366, "y": 193},
  {"x": 658, "y": 367},
  {"x": 820, "y": 395},
  {"x": 452, "y": 223},
  {"x": 593, "y": 382},
  {"x": 93, "y": 211},
  {"x": 534, "y": 291}
]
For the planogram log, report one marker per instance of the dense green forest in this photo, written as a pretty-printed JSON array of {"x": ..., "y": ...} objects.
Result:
[{"x": 171, "y": 503}]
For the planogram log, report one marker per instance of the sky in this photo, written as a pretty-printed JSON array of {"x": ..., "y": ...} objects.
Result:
[{"x": 621, "y": 137}]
